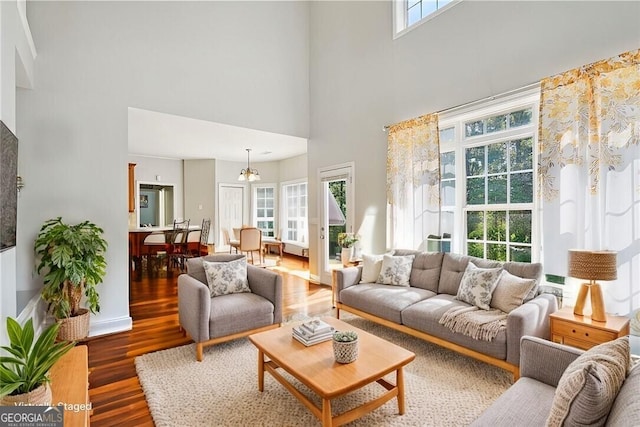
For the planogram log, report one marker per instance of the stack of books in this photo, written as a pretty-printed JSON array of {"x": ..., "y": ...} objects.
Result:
[{"x": 313, "y": 332}]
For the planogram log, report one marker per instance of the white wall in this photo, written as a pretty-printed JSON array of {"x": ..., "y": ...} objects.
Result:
[
  {"x": 293, "y": 168},
  {"x": 244, "y": 64},
  {"x": 361, "y": 79},
  {"x": 199, "y": 192},
  {"x": 16, "y": 69}
]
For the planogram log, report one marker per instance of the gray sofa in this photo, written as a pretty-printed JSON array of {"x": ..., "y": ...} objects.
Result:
[
  {"x": 222, "y": 318},
  {"x": 528, "y": 401},
  {"x": 434, "y": 281}
]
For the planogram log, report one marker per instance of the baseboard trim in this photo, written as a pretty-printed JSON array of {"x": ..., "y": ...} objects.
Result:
[{"x": 110, "y": 326}]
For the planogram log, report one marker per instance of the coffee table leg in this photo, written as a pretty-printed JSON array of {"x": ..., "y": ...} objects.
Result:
[
  {"x": 260, "y": 370},
  {"x": 326, "y": 413},
  {"x": 400, "y": 385}
]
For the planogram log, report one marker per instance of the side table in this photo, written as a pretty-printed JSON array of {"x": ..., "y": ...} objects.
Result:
[
  {"x": 70, "y": 386},
  {"x": 583, "y": 332}
]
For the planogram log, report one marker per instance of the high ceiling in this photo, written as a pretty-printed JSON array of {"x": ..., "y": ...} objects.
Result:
[{"x": 165, "y": 135}]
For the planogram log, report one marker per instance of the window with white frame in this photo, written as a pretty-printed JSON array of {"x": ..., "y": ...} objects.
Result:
[
  {"x": 408, "y": 13},
  {"x": 487, "y": 179},
  {"x": 294, "y": 212},
  {"x": 264, "y": 211}
]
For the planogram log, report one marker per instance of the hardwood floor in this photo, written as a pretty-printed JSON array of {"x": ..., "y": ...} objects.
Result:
[{"x": 114, "y": 390}]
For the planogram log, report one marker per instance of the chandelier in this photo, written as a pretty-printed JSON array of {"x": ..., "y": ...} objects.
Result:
[{"x": 249, "y": 174}]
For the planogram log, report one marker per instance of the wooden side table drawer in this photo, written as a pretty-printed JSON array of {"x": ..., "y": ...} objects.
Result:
[
  {"x": 583, "y": 332},
  {"x": 575, "y": 331}
]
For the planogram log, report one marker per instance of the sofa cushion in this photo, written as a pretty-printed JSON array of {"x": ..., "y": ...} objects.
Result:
[
  {"x": 477, "y": 285},
  {"x": 382, "y": 300},
  {"x": 371, "y": 265},
  {"x": 525, "y": 403},
  {"x": 226, "y": 277},
  {"x": 425, "y": 315},
  {"x": 235, "y": 313},
  {"x": 195, "y": 268},
  {"x": 396, "y": 270},
  {"x": 425, "y": 271},
  {"x": 590, "y": 384},
  {"x": 626, "y": 408},
  {"x": 453, "y": 267},
  {"x": 526, "y": 271},
  {"x": 510, "y": 291}
]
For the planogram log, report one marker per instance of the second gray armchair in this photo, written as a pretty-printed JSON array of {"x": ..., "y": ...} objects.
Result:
[{"x": 212, "y": 320}]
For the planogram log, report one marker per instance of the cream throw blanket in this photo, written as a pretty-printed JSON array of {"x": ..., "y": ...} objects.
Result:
[{"x": 475, "y": 323}]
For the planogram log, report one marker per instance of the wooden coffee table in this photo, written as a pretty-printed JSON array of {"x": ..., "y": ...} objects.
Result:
[{"x": 316, "y": 368}]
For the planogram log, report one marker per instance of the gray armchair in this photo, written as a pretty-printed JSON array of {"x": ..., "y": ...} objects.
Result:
[{"x": 210, "y": 321}]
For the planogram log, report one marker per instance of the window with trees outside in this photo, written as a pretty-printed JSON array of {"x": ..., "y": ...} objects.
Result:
[
  {"x": 264, "y": 209},
  {"x": 295, "y": 212},
  {"x": 487, "y": 180}
]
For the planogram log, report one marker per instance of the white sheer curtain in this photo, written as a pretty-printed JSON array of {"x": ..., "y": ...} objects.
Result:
[
  {"x": 413, "y": 182},
  {"x": 589, "y": 170}
]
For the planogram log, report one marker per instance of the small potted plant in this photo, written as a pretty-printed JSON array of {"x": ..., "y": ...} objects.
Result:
[
  {"x": 345, "y": 346},
  {"x": 25, "y": 371},
  {"x": 346, "y": 242},
  {"x": 71, "y": 259}
]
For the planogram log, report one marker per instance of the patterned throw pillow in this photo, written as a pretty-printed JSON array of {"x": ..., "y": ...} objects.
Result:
[
  {"x": 396, "y": 270},
  {"x": 226, "y": 277},
  {"x": 510, "y": 291},
  {"x": 589, "y": 386},
  {"x": 477, "y": 285},
  {"x": 371, "y": 266}
]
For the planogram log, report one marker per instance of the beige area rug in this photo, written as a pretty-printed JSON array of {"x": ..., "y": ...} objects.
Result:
[{"x": 442, "y": 388}]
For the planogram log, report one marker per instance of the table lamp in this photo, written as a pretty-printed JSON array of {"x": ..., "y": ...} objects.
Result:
[{"x": 592, "y": 266}]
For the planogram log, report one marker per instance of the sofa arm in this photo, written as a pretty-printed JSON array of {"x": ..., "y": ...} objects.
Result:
[
  {"x": 268, "y": 285},
  {"x": 194, "y": 307},
  {"x": 545, "y": 361},
  {"x": 346, "y": 277},
  {"x": 531, "y": 318}
]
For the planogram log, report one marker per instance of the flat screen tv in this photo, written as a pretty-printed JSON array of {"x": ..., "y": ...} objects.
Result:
[{"x": 8, "y": 189}]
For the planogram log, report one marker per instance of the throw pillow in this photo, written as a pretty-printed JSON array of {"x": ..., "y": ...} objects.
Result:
[
  {"x": 588, "y": 387},
  {"x": 396, "y": 270},
  {"x": 510, "y": 291},
  {"x": 371, "y": 266},
  {"x": 226, "y": 277},
  {"x": 477, "y": 285}
]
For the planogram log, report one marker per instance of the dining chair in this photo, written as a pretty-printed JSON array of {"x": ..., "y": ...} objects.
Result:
[
  {"x": 232, "y": 243},
  {"x": 251, "y": 241},
  {"x": 178, "y": 249},
  {"x": 155, "y": 245},
  {"x": 197, "y": 240}
]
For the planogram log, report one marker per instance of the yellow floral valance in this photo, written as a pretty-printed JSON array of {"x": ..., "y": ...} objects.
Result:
[
  {"x": 413, "y": 155},
  {"x": 587, "y": 115}
]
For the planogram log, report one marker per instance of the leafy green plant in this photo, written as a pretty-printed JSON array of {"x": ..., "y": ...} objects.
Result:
[
  {"x": 71, "y": 258},
  {"x": 347, "y": 240},
  {"x": 345, "y": 336},
  {"x": 28, "y": 365}
]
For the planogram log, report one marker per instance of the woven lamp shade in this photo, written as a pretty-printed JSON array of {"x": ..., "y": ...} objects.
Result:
[{"x": 593, "y": 265}]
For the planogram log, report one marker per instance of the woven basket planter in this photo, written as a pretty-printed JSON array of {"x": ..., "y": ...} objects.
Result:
[
  {"x": 345, "y": 352},
  {"x": 74, "y": 328},
  {"x": 37, "y": 396}
]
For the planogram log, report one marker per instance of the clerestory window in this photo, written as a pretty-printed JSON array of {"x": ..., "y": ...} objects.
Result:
[{"x": 408, "y": 13}]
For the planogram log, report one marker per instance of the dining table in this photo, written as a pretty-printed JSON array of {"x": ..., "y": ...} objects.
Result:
[{"x": 136, "y": 245}]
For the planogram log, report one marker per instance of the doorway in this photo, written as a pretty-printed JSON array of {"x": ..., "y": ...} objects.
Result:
[
  {"x": 156, "y": 204},
  {"x": 230, "y": 210},
  {"x": 336, "y": 215}
]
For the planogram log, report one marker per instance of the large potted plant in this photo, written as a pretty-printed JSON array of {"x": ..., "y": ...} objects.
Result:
[
  {"x": 25, "y": 370},
  {"x": 71, "y": 259},
  {"x": 346, "y": 242}
]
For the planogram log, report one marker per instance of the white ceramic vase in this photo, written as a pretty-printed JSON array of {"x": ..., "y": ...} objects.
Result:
[{"x": 346, "y": 255}]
